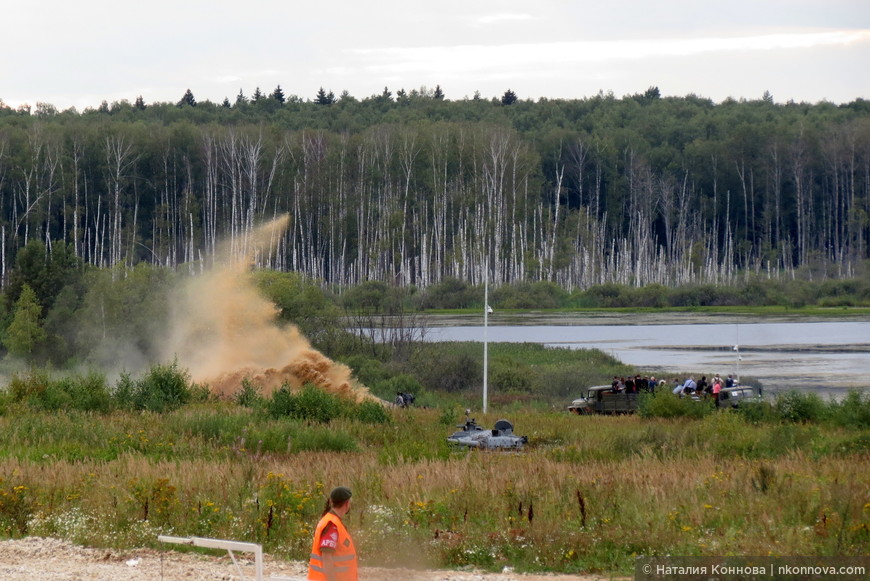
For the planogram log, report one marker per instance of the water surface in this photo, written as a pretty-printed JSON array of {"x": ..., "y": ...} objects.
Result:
[{"x": 825, "y": 356}]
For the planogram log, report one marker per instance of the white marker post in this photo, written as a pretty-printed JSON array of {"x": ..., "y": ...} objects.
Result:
[{"x": 485, "y": 323}]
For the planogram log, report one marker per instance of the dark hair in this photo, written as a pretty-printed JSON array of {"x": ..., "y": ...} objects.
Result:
[{"x": 337, "y": 498}]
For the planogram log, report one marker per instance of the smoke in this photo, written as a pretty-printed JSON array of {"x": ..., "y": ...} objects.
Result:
[{"x": 223, "y": 330}]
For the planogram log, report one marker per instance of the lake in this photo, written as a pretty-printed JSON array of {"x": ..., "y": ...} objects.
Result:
[{"x": 825, "y": 356}]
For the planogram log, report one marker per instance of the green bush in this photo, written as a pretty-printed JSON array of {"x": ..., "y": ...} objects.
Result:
[
  {"x": 403, "y": 383},
  {"x": 450, "y": 293},
  {"x": 368, "y": 371},
  {"x": 530, "y": 295},
  {"x": 86, "y": 393},
  {"x": 162, "y": 388},
  {"x": 370, "y": 412},
  {"x": 248, "y": 395},
  {"x": 757, "y": 412},
  {"x": 852, "y": 411},
  {"x": 124, "y": 392},
  {"x": 23, "y": 387},
  {"x": 446, "y": 369},
  {"x": 662, "y": 404},
  {"x": 604, "y": 295},
  {"x": 795, "y": 406},
  {"x": 38, "y": 390},
  {"x": 507, "y": 374},
  {"x": 310, "y": 404}
]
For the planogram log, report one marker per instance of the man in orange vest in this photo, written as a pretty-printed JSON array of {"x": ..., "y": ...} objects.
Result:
[{"x": 333, "y": 556}]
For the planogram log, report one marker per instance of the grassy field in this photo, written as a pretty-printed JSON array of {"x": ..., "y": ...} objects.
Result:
[{"x": 587, "y": 495}]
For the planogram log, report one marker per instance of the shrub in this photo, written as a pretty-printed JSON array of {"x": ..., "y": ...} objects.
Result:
[
  {"x": 450, "y": 293},
  {"x": 757, "y": 412},
  {"x": 124, "y": 392},
  {"x": 401, "y": 383},
  {"x": 38, "y": 390},
  {"x": 853, "y": 411},
  {"x": 311, "y": 403},
  {"x": 370, "y": 412},
  {"x": 795, "y": 406},
  {"x": 525, "y": 295},
  {"x": 604, "y": 295},
  {"x": 248, "y": 395},
  {"x": 163, "y": 388},
  {"x": 86, "y": 393},
  {"x": 662, "y": 404},
  {"x": 368, "y": 371},
  {"x": 509, "y": 375},
  {"x": 450, "y": 371},
  {"x": 23, "y": 387}
]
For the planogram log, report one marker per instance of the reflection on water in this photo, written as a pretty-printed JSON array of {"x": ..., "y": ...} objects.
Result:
[{"x": 825, "y": 356}]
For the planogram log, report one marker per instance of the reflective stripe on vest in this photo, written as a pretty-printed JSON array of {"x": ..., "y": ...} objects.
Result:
[{"x": 344, "y": 556}]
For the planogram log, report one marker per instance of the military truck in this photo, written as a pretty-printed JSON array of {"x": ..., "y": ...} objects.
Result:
[
  {"x": 601, "y": 399},
  {"x": 734, "y": 396}
]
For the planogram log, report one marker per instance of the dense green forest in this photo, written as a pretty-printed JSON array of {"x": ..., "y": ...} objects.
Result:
[{"x": 415, "y": 188}]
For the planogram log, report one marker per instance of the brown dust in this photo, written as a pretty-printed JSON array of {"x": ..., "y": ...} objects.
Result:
[{"x": 223, "y": 330}]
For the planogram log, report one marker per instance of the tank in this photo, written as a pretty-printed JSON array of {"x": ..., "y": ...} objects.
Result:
[{"x": 500, "y": 437}]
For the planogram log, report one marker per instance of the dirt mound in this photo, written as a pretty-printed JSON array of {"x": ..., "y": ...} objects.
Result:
[{"x": 310, "y": 367}]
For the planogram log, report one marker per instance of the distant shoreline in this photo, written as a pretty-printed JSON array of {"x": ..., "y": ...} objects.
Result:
[{"x": 641, "y": 317}]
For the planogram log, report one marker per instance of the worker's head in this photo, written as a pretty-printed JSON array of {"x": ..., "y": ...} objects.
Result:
[
  {"x": 338, "y": 501},
  {"x": 340, "y": 495}
]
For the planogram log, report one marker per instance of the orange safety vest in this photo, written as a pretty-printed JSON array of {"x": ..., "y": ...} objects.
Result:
[{"x": 344, "y": 555}]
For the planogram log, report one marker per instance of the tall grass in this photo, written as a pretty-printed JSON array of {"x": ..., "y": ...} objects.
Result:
[{"x": 586, "y": 495}]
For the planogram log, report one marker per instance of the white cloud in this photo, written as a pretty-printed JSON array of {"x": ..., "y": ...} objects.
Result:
[
  {"x": 470, "y": 58},
  {"x": 502, "y": 17}
]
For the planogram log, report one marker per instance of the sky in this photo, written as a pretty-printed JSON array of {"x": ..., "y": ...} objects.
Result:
[{"x": 78, "y": 53}]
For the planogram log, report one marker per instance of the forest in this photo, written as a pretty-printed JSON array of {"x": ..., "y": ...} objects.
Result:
[{"x": 413, "y": 189}]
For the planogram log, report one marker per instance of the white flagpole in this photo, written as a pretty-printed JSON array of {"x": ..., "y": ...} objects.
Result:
[{"x": 485, "y": 323}]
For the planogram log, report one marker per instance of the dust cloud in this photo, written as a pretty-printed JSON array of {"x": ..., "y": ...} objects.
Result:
[{"x": 223, "y": 330}]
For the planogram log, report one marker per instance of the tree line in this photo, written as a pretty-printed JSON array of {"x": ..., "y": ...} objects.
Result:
[{"x": 413, "y": 188}]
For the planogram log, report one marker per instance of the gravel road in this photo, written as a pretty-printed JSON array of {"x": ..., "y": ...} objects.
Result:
[{"x": 56, "y": 560}]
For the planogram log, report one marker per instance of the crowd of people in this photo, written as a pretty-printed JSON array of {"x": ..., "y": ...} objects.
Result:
[{"x": 687, "y": 388}]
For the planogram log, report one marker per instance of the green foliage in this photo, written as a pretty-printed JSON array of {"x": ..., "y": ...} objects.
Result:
[
  {"x": 300, "y": 302},
  {"x": 663, "y": 404},
  {"x": 162, "y": 388},
  {"x": 403, "y": 383},
  {"x": 22, "y": 387},
  {"x": 46, "y": 273},
  {"x": 248, "y": 395},
  {"x": 17, "y": 505},
  {"x": 450, "y": 293},
  {"x": 85, "y": 393},
  {"x": 369, "y": 412},
  {"x": 123, "y": 314},
  {"x": 795, "y": 406},
  {"x": 448, "y": 368},
  {"x": 40, "y": 391},
  {"x": 368, "y": 371},
  {"x": 853, "y": 411},
  {"x": 311, "y": 404},
  {"x": 25, "y": 332},
  {"x": 507, "y": 374},
  {"x": 536, "y": 295}
]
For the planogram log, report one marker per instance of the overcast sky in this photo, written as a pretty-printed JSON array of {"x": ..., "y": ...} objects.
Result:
[{"x": 79, "y": 53}]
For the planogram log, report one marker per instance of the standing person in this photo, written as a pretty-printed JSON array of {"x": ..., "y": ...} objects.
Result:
[
  {"x": 717, "y": 387},
  {"x": 333, "y": 555}
]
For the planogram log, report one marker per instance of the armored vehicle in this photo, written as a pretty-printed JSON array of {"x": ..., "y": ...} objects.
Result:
[{"x": 500, "y": 437}]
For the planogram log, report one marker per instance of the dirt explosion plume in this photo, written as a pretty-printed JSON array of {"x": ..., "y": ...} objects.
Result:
[{"x": 223, "y": 330}]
